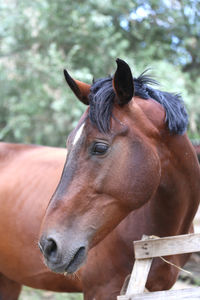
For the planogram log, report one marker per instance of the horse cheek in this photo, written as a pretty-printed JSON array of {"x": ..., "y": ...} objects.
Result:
[{"x": 142, "y": 177}]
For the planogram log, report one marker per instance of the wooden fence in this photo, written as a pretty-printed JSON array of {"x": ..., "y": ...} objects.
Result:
[{"x": 145, "y": 251}]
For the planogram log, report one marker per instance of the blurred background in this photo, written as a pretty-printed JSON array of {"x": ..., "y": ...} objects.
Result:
[{"x": 38, "y": 39}]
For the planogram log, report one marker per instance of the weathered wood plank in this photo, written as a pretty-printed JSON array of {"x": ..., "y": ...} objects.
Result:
[
  {"x": 139, "y": 276},
  {"x": 167, "y": 246},
  {"x": 190, "y": 293}
]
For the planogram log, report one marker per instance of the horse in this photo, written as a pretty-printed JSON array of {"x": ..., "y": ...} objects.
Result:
[
  {"x": 28, "y": 178},
  {"x": 130, "y": 170},
  {"x": 23, "y": 206}
]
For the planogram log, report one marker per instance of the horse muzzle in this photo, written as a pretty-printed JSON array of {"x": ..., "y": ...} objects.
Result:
[{"x": 60, "y": 257}]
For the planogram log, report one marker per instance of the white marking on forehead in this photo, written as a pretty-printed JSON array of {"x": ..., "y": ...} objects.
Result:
[{"x": 78, "y": 134}]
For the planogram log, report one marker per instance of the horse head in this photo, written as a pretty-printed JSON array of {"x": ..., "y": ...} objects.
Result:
[{"x": 112, "y": 168}]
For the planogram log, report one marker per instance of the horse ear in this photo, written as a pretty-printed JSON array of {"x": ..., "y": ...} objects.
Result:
[
  {"x": 123, "y": 82},
  {"x": 80, "y": 89}
]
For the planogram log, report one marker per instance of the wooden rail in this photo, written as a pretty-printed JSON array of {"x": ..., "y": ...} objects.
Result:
[
  {"x": 145, "y": 251},
  {"x": 191, "y": 293}
]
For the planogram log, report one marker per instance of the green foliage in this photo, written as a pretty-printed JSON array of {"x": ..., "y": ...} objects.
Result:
[{"x": 40, "y": 38}]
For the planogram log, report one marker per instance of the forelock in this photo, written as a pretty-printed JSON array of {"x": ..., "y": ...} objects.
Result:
[{"x": 101, "y": 100}]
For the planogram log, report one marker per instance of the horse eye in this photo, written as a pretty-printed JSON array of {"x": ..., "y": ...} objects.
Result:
[{"x": 99, "y": 148}]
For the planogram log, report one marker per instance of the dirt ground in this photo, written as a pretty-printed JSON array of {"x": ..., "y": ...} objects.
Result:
[{"x": 32, "y": 294}]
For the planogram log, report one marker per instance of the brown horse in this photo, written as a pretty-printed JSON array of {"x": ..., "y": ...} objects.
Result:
[
  {"x": 28, "y": 177},
  {"x": 129, "y": 158},
  {"x": 29, "y": 174}
]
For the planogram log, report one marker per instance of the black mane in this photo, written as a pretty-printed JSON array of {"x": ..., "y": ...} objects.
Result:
[{"x": 102, "y": 99}]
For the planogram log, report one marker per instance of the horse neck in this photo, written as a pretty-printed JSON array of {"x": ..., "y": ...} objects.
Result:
[
  {"x": 173, "y": 208},
  {"x": 171, "y": 214}
]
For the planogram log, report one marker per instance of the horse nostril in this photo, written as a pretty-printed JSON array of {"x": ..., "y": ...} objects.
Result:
[{"x": 49, "y": 249}]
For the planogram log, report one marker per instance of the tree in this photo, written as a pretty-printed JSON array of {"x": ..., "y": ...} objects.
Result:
[{"x": 40, "y": 38}]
